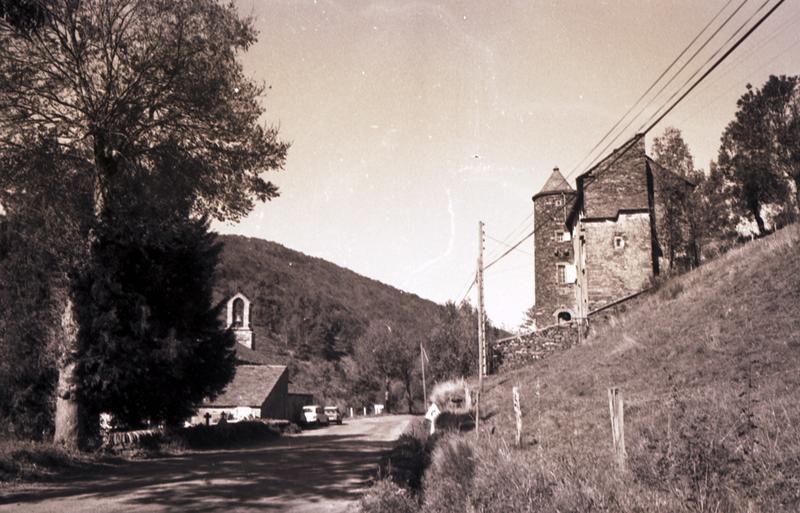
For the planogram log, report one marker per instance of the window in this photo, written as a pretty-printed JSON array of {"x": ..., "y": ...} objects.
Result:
[
  {"x": 238, "y": 312},
  {"x": 561, "y": 270},
  {"x": 562, "y": 236},
  {"x": 619, "y": 242},
  {"x": 564, "y": 316}
]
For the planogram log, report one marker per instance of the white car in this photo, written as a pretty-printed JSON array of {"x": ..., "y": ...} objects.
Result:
[
  {"x": 314, "y": 414},
  {"x": 333, "y": 414}
]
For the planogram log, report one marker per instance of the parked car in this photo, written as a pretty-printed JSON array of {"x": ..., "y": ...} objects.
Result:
[
  {"x": 333, "y": 414},
  {"x": 314, "y": 414}
]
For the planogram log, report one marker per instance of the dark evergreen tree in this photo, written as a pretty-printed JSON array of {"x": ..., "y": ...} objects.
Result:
[{"x": 152, "y": 345}]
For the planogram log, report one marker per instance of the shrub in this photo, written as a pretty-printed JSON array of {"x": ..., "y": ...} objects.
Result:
[
  {"x": 449, "y": 477},
  {"x": 32, "y": 460},
  {"x": 387, "y": 497},
  {"x": 452, "y": 396},
  {"x": 410, "y": 456}
]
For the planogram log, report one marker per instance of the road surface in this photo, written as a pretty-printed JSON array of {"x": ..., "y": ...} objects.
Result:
[{"x": 321, "y": 470}]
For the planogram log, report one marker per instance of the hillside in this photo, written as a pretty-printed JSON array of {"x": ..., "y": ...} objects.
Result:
[
  {"x": 307, "y": 312},
  {"x": 709, "y": 366}
]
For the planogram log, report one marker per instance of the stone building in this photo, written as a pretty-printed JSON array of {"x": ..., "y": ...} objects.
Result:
[
  {"x": 256, "y": 392},
  {"x": 553, "y": 253},
  {"x": 605, "y": 240}
]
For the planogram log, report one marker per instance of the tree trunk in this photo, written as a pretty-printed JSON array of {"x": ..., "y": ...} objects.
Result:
[
  {"x": 69, "y": 418},
  {"x": 762, "y": 229},
  {"x": 386, "y": 396}
]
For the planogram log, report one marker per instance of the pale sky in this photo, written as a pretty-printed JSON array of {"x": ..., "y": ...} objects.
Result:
[{"x": 410, "y": 121}]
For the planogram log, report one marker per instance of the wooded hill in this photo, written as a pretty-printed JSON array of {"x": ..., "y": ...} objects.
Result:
[{"x": 308, "y": 312}]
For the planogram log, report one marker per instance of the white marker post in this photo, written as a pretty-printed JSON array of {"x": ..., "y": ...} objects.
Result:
[{"x": 431, "y": 415}]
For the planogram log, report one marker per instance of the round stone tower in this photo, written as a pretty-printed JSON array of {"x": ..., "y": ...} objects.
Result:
[{"x": 554, "y": 265}]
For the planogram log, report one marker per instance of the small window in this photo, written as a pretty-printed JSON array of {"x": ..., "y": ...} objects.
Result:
[
  {"x": 562, "y": 236},
  {"x": 564, "y": 316},
  {"x": 619, "y": 242},
  {"x": 561, "y": 269}
]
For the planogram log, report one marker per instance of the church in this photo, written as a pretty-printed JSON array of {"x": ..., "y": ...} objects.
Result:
[{"x": 603, "y": 241}]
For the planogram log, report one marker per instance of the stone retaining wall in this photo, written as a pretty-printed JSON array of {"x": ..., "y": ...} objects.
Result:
[{"x": 521, "y": 351}]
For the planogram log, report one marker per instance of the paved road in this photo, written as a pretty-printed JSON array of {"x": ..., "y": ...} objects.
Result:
[{"x": 321, "y": 470}]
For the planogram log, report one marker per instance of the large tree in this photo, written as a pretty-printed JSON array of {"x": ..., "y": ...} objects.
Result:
[
  {"x": 453, "y": 344},
  {"x": 750, "y": 157},
  {"x": 383, "y": 354},
  {"x": 681, "y": 215},
  {"x": 147, "y": 320},
  {"x": 127, "y": 89}
]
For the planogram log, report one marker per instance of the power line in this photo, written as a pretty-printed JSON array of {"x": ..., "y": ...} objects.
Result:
[
  {"x": 512, "y": 234},
  {"x": 730, "y": 38},
  {"x": 641, "y": 133},
  {"x": 650, "y": 88},
  {"x": 672, "y": 78},
  {"x": 716, "y": 64},
  {"x": 507, "y": 245}
]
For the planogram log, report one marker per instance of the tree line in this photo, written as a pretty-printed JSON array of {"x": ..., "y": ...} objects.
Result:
[
  {"x": 753, "y": 186},
  {"x": 389, "y": 358}
]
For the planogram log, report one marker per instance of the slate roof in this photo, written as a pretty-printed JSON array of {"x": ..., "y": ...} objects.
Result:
[
  {"x": 555, "y": 184},
  {"x": 250, "y": 386}
]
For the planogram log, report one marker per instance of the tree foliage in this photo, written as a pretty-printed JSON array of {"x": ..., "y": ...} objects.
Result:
[
  {"x": 681, "y": 217},
  {"x": 147, "y": 324},
  {"x": 752, "y": 157},
  {"x": 452, "y": 346},
  {"x": 385, "y": 354},
  {"x": 125, "y": 91}
]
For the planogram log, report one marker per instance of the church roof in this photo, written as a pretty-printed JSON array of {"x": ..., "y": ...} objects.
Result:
[
  {"x": 555, "y": 184},
  {"x": 250, "y": 386}
]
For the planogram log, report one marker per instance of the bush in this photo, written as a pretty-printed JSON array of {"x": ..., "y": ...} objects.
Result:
[
  {"x": 388, "y": 497},
  {"x": 410, "y": 456},
  {"x": 449, "y": 477},
  {"x": 452, "y": 396},
  {"x": 32, "y": 460}
]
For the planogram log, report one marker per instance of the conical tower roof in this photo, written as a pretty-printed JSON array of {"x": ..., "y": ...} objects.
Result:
[{"x": 555, "y": 184}]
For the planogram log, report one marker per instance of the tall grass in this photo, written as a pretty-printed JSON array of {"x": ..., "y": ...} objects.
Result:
[{"x": 709, "y": 367}]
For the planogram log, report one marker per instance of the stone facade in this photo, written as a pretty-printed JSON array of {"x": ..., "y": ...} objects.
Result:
[
  {"x": 615, "y": 220},
  {"x": 553, "y": 253},
  {"x": 515, "y": 352},
  {"x": 615, "y": 260}
]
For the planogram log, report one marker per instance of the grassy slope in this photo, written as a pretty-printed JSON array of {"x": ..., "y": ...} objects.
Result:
[{"x": 710, "y": 371}]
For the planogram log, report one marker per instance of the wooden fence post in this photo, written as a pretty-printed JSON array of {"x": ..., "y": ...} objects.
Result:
[
  {"x": 517, "y": 414},
  {"x": 616, "y": 409}
]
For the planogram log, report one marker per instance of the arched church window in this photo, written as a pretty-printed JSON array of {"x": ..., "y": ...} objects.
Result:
[{"x": 238, "y": 312}]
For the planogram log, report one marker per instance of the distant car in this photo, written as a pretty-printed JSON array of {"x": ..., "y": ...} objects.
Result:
[
  {"x": 314, "y": 414},
  {"x": 333, "y": 414}
]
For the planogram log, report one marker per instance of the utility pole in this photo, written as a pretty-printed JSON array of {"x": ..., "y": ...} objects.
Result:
[
  {"x": 422, "y": 358},
  {"x": 481, "y": 328}
]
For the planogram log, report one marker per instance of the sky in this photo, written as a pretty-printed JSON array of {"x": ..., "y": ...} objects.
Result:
[{"x": 411, "y": 121}]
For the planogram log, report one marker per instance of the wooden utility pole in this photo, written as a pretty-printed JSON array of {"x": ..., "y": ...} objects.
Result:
[
  {"x": 422, "y": 358},
  {"x": 616, "y": 409},
  {"x": 481, "y": 327}
]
